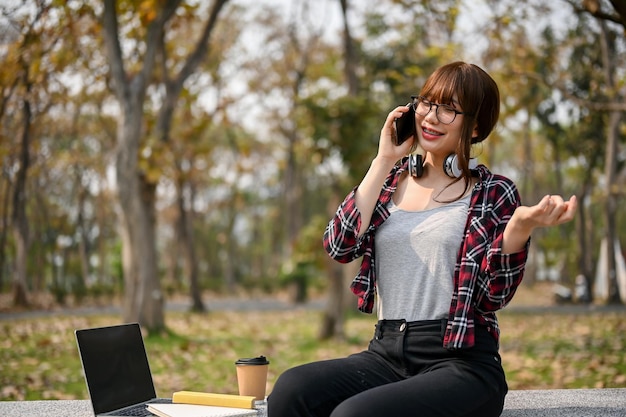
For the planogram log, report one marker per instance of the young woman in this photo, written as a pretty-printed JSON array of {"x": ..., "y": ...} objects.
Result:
[{"x": 444, "y": 246}]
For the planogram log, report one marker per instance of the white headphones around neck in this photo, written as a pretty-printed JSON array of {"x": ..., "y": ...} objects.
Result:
[{"x": 450, "y": 165}]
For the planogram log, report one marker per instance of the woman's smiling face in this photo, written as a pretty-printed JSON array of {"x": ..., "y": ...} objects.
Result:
[
  {"x": 438, "y": 138},
  {"x": 467, "y": 88}
]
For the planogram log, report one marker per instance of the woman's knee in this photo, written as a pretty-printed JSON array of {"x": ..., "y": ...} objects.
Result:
[
  {"x": 287, "y": 386},
  {"x": 289, "y": 395},
  {"x": 291, "y": 379}
]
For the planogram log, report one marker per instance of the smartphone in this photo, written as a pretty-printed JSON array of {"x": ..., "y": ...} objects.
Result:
[{"x": 405, "y": 126}]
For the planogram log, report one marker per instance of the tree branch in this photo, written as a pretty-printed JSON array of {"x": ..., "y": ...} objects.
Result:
[
  {"x": 620, "y": 8},
  {"x": 122, "y": 82},
  {"x": 582, "y": 102},
  {"x": 113, "y": 49},
  {"x": 174, "y": 86},
  {"x": 154, "y": 37},
  {"x": 202, "y": 46},
  {"x": 593, "y": 8}
]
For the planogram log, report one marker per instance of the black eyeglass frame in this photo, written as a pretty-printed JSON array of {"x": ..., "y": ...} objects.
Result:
[{"x": 416, "y": 99}]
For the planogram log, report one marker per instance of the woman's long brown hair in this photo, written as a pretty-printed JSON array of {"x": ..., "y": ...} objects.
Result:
[{"x": 477, "y": 94}]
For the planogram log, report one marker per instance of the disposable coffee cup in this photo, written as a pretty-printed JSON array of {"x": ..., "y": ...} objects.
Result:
[{"x": 252, "y": 376}]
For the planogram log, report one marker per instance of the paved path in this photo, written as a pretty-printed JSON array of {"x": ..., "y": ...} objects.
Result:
[
  {"x": 275, "y": 304},
  {"x": 213, "y": 304}
]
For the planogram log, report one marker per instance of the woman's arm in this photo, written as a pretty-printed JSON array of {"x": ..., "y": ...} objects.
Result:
[
  {"x": 550, "y": 211},
  {"x": 368, "y": 191},
  {"x": 504, "y": 262}
]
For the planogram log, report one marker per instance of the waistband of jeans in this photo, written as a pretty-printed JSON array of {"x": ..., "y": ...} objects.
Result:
[{"x": 402, "y": 326}]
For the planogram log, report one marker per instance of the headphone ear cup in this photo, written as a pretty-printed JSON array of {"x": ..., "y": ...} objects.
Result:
[
  {"x": 451, "y": 166},
  {"x": 416, "y": 165}
]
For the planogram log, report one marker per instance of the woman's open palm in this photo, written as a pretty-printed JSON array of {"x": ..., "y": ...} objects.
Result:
[{"x": 552, "y": 210}]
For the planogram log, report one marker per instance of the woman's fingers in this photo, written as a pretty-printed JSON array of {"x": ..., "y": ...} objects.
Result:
[{"x": 553, "y": 210}]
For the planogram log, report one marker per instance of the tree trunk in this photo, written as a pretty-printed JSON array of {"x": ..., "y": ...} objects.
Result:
[
  {"x": 4, "y": 231},
  {"x": 185, "y": 234},
  {"x": 292, "y": 183},
  {"x": 527, "y": 194},
  {"x": 585, "y": 261},
  {"x": 610, "y": 208},
  {"x": 351, "y": 59},
  {"x": 83, "y": 244},
  {"x": 143, "y": 299},
  {"x": 102, "y": 271},
  {"x": 229, "y": 261},
  {"x": 20, "y": 221},
  {"x": 333, "y": 319},
  {"x": 293, "y": 193}
]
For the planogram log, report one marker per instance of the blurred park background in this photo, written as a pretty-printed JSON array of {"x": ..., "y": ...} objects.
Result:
[{"x": 166, "y": 152}]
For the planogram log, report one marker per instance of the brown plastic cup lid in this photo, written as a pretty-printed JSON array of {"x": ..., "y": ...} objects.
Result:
[{"x": 259, "y": 360}]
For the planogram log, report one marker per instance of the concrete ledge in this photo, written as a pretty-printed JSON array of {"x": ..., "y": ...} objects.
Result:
[
  {"x": 534, "y": 403},
  {"x": 610, "y": 402},
  {"x": 52, "y": 408}
]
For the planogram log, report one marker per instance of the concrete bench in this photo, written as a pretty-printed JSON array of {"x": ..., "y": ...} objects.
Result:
[
  {"x": 609, "y": 402},
  {"x": 539, "y": 403}
]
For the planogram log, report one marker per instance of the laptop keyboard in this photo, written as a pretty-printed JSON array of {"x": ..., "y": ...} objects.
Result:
[
  {"x": 135, "y": 411},
  {"x": 141, "y": 410}
]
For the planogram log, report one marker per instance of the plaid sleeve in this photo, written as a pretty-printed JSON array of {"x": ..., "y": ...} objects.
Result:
[
  {"x": 341, "y": 239},
  {"x": 485, "y": 279},
  {"x": 501, "y": 273},
  {"x": 342, "y": 242}
]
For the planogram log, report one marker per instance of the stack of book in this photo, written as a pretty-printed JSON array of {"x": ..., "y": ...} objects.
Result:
[{"x": 204, "y": 404}]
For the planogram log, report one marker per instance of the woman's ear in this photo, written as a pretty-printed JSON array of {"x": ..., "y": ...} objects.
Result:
[{"x": 475, "y": 131}]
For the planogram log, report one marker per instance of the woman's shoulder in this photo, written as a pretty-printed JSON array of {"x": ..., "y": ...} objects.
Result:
[
  {"x": 490, "y": 179},
  {"x": 497, "y": 186}
]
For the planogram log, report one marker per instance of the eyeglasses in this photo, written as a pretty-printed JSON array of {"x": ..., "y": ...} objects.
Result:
[{"x": 445, "y": 113}]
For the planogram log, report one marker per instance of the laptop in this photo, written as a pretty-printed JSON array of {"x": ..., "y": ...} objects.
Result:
[{"x": 116, "y": 370}]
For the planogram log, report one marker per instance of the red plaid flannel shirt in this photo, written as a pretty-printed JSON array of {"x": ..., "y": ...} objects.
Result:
[{"x": 485, "y": 280}]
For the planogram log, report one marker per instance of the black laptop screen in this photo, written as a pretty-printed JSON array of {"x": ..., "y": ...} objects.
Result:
[{"x": 116, "y": 366}]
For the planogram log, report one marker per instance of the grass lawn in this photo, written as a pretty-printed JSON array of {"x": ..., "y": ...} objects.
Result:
[{"x": 39, "y": 359}]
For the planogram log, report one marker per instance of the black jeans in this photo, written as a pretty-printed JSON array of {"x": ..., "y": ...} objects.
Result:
[{"x": 406, "y": 371}]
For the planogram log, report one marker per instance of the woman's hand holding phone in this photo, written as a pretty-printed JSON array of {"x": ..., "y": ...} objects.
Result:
[
  {"x": 392, "y": 145},
  {"x": 389, "y": 153},
  {"x": 404, "y": 126}
]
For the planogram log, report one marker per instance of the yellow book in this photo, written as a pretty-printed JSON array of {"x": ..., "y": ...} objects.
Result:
[{"x": 207, "y": 398}]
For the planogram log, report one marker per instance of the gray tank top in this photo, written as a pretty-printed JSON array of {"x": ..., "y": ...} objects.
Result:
[{"x": 416, "y": 252}]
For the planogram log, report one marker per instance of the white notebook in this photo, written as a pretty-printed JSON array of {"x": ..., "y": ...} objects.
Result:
[{"x": 192, "y": 410}]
